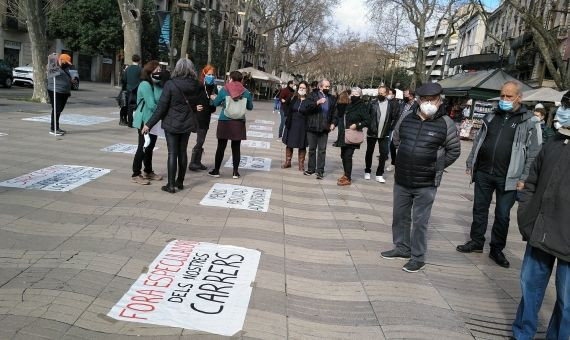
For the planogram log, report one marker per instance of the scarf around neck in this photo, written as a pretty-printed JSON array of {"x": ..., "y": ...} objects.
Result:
[{"x": 235, "y": 89}]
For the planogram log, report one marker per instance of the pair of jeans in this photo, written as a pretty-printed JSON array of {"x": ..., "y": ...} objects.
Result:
[
  {"x": 282, "y": 122},
  {"x": 485, "y": 185},
  {"x": 535, "y": 274},
  {"x": 317, "y": 151},
  {"x": 346, "y": 153},
  {"x": 383, "y": 150},
  {"x": 177, "y": 156},
  {"x": 200, "y": 139},
  {"x": 277, "y": 104},
  {"x": 412, "y": 205},
  {"x": 236, "y": 153},
  {"x": 60, "y": 102},
  {"x": 143, "y": 156}
]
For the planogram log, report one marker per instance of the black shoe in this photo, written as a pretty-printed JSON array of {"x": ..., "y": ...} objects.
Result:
[
  {"x": 214, "y": 173},
  {"x": 236, "y": 175},
  {"x": 61, "y": 131},
  {"x": 320, "y": 175},
  {"x": 202, "y": 166},
  {"x": 308, "y": 172},
  {"x": 168, "y": 188},
  {"x": 122, "y": 123},
  {"x": 179, "y": 185},
  {"x": 499, "y": 258},
  {"x": 470, "y": 247},
  {"x": 395, "y": 254},
  {"x": 193, "y": 167},
  {"x": 413, "y": 266}
]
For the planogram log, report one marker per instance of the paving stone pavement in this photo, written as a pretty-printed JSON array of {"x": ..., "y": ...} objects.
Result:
[{"x": 67, "y": 257}]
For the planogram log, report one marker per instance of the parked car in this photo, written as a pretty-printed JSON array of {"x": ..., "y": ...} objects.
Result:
[
  {"x": 25, "y": 75},
  {"x": 5, "y": 74}
]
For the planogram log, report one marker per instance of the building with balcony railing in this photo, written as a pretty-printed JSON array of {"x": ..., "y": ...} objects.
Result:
[{"x": 15, "y": 48}]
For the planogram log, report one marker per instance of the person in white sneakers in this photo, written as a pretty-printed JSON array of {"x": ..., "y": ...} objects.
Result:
[{"x": 382, "y": 113}]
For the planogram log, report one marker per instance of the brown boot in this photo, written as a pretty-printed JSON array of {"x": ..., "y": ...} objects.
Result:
[
  {"x": 302, "y": 153},
  {"x": 288, "y": 156}
]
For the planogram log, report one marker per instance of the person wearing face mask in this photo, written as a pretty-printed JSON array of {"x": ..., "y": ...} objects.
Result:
[
  {"x": 209, "y": 93},
  {"x": 547, "y": 132},
  {"x": 62, "y": 92},
  {"x": 295, "y": 134},
  {"x": 319, "y": 124},
  {"x": 355, "y": 118},
  {"x": 148, "y": 94},
  {"x": 406, "y": 105},
  {"x": 499, "y": 163},
  {"x": 428, "y": 142},
  {"x": 381, "y": 114},
  {"x": 285, "y": 96},
  {"x": 543, "y": 219}
]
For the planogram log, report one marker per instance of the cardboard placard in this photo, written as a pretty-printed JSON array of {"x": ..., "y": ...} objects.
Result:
[
  {"x": 72, "y": 119},
  {"x": 261, "y": 121},
  {"x": 250, "y": 143},
  {"x": 237, "y": 197},
  {"x": 251, "y": 163},
  {"x": 260, "y": 127},
  {"x": 258, "y": 134}
]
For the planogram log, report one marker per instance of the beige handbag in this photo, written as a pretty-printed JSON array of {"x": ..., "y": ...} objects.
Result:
[{"x": 352, "y": 137}]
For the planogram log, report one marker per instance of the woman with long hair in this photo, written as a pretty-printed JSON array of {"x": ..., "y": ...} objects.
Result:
[
  {"x": 231, "y": 124},
  {"x": 177, "y": 107},
  {"x": 148, "y": 94},
  {"x": 209, "y": 91},
  {"x": 295, "y": 134}
]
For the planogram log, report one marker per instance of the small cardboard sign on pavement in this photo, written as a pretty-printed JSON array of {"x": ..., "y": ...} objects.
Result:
[{"x": 237, "y": 197}]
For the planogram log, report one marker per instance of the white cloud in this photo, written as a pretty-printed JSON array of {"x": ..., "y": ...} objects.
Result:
[{"x": 352, "y": 14}]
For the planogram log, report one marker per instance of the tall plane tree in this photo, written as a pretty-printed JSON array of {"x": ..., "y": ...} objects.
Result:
[{"x": 131, "y": 14}]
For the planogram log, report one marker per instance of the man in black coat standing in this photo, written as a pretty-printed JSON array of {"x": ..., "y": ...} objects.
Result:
[
  {"x": 544, "y": 222},
  {"x": 427, "y": 142},
  {"x": 319, "y": 124}
]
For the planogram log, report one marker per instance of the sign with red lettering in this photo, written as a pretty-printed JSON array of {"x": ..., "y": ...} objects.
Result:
[{"x": 193, "y": 285}]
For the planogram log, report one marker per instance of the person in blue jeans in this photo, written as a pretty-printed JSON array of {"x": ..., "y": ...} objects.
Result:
[
  {"x": 285, "y": 96},
  {"x": 544, "y": 220}
]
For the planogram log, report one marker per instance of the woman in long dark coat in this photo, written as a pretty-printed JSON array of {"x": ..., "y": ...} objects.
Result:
[{"x": 295, "y": 135}]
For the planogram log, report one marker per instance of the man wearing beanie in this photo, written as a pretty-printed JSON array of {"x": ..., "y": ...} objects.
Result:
[
  {"x": 499, "y": 162},
  {"x": 544, "y": 221}
]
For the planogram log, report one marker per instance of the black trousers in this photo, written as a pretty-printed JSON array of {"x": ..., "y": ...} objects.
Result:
[
  {"x": 383, "y": 149},
  {"x": 177, "y": 156},
  {"x": 346, "y": 153},
  {"x": 143, "y": 156},
  {"x": 485, "y": 185},
  {"x": 60, "y": 101},
  {"x": 392, "y": 152},
  {"x": 200, "y": 139},
  {"x": 236, "y": 153}
]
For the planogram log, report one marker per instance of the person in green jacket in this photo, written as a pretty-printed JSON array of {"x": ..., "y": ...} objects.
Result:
[
  {"x": 148, "y": 94},
  {"x": 355, "y": 118}
]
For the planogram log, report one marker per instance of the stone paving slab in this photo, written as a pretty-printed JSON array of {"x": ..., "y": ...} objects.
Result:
[{"x": 67, "y": 258}]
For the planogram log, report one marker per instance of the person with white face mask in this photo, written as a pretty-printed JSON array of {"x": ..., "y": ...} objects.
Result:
[
  {"x": 499, "y": 163},
  {"x": 427, "y": 142}
]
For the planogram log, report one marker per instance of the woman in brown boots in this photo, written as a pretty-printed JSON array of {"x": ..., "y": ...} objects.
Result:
[{"x": 295, "y": 135}]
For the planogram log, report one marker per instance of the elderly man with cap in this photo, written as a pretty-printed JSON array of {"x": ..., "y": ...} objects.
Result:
[
  {"x": 62, "y": 88},
  {"x": 427, "y": 142},
  {"x": 499, "y": 163}
]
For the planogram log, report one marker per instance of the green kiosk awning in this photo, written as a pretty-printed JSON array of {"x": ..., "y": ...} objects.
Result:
[{"x": 479, "y": 85}]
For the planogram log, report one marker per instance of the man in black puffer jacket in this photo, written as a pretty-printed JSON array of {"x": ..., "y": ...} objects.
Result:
[{"x": 427, "y": 143}]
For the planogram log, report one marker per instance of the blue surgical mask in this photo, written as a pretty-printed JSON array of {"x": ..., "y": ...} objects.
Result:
[
  {"x": 563, "y": 116},
  {"x": 505, "y": 105},
  {"x": 209, "y": 79}
]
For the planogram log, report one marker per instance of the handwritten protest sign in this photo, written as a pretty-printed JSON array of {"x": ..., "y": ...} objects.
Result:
[
  {"x": 250, "y": 143},
  {"x": 258, "y": 134},
  {"x": 72, "y": 119},
  {"x": 123, "y": 148},
  {"x": 251, "y": 163},
  {"x": 193, "y": 285},
  {"x": 56, "y": 178},
  {"x": 260, "y": 127},
  {"x": 237, "y": 197},
  {"x": 261, "y": 121}
]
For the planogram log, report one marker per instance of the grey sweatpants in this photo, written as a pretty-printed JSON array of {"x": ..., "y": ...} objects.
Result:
[{"x": 412, "y": 206}]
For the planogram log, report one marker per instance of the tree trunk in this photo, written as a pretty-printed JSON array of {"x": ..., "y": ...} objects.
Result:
[
  {"x": 188, "y": 18},
  {"x": 209, "y": 30},
  {"x": 131, "y": 13},
  {"x": 36, "y": 24},
  {"x": 236, "y": 58}
]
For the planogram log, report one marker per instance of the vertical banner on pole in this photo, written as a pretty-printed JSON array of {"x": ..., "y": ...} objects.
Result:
[
  {"x": 53, "y": 71},
  {"x": 164, "y": 37}
]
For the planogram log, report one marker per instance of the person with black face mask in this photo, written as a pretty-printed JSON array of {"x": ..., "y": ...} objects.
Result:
[
  {"x": 148, "y": 94},
  {"x": 62, "y": 90}
]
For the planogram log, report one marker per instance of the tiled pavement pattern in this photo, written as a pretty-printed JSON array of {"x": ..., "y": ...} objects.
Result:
[{"x": 67, "y": 258}]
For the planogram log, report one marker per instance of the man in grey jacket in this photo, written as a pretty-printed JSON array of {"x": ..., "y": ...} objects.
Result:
[
  {"x": 499, "y": 163},
  {"x": 61, "y": 83}
]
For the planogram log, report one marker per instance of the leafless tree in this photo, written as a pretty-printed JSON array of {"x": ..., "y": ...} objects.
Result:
[{"x": 131, "y": 14}]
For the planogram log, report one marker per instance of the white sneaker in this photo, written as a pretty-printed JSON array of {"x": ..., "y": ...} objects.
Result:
[
  {"x": 380, "y": 179},
  {"x": 389, "y": 168},
  {"x": 367, "y": 176}
]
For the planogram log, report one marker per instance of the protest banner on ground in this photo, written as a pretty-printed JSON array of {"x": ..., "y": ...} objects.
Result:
[
  {"x": 258, "y": 134},
  {"x": 123, "y": 148},
  {"x": 237, "y": 197},
  {"x": 56, "y": 178},
  {"x": 193, "y": 285},
  {"x": 261, "y": 121},
  {"x": 261, "y": 127},
  {"x": 251, "y": 163},
  {"x": 250, "y": 143},
  {"x": 2, "y": 134},
  {"x": 72, "y": 119}
]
